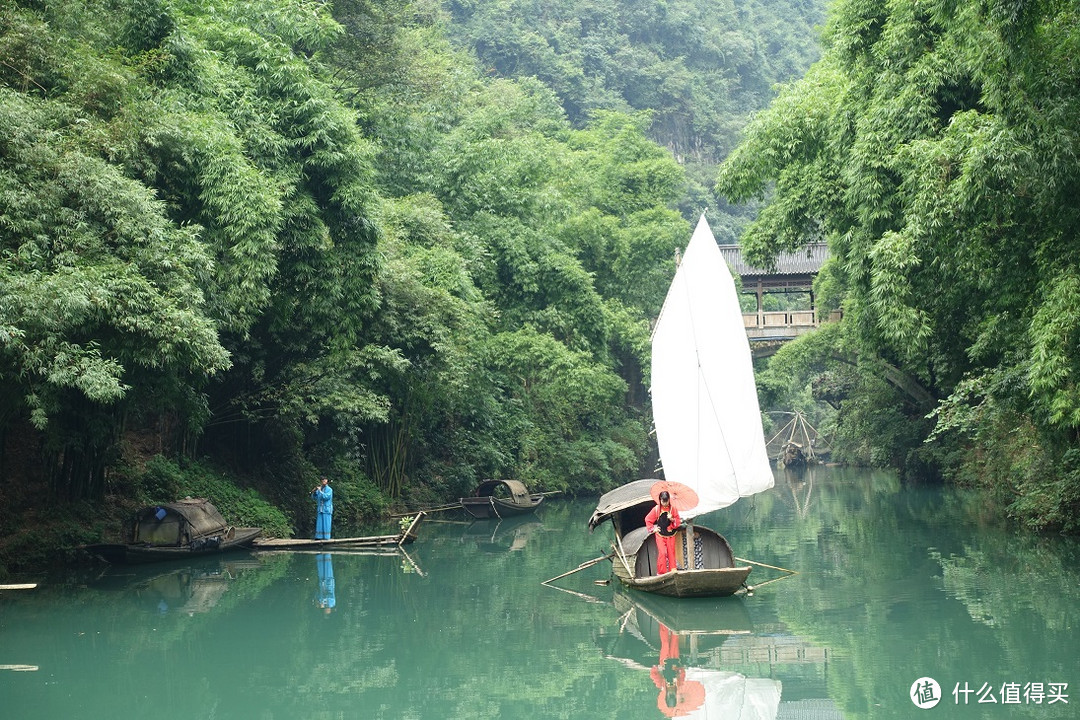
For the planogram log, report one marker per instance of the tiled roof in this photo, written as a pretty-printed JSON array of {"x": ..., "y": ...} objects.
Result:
[{"x": 800, "y": 262}]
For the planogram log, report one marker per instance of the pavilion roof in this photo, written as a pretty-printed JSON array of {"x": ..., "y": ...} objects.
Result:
[{"x": 801, "y": 262}]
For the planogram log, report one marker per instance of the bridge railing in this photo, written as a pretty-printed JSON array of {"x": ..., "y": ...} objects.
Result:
[{"x": 784, "y": 323}]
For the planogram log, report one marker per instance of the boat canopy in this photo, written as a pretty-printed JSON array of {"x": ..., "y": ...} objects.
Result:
[
  {"x": 622, "y": 498},
  {"x": 633, "y": 540},
  {"x": 516, "y": 488},
  {"x": 178, "y": 523}
]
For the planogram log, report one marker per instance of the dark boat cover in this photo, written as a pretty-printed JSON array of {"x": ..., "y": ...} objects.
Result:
[
  {"x": 621, "y": 498},
  {"x": 518, "y": 492},
  {"x": 178, "y": 523}
]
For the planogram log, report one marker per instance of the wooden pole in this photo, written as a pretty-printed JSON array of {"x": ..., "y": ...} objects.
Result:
[
  {"x": 579, "y": 568},
  {"x": 752, "y": 588},
  {"x": 622, "y": 555},
  {"x": 455, "y": 506},
  {"x": 771, "y": 567}
]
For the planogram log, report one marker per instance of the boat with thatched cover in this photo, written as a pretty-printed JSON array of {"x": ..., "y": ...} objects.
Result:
[
  {"x": 183, "y": 529},
  {"x": 500, "y": 499}
]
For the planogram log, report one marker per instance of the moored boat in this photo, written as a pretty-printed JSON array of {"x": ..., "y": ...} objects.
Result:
[
  {"x": 500, "y": 499},
  {"x": 183, "y": 529}
]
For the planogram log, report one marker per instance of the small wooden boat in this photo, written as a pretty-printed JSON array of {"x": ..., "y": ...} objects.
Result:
[
  {"x": 704, "y": 559},
  {"x": 406, "y": 536},
  {"x": 179, "y": 530},
  {"x": 501, "y": 498}
]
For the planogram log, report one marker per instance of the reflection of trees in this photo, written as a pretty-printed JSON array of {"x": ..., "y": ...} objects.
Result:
[
  {"x": 912, "y": 581},
  {"x": 402, "y": 645},
  {"x": 890, "y": 580}
]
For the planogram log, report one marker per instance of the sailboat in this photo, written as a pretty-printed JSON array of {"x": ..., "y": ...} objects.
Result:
[{"x": 708, "y": 428}]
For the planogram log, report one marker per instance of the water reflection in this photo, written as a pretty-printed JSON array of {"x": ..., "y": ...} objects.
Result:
[
  {"x": 190, "y": 588},
  {"x": 895, "y": 584},
  {"x": 510, "y": 534},
  {"x": 681, "y": 644},
  {"x": 678, "y": 696},
  {"x": 327, "y": 599}
]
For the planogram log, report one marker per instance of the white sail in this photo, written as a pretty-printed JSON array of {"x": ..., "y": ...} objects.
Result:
[{"x": 705, "y": 407}]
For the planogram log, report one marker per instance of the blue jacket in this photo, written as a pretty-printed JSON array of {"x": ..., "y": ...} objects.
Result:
[{"x": 325, "y": 497}]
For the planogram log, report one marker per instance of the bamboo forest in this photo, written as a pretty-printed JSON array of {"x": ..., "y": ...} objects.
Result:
[{"x": 410, "y": 245}]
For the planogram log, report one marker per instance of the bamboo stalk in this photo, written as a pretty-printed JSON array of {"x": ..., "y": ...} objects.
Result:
[
  {"x": 440, "y": 508},
  {"x": 751, "y": 588},
  {"x": 771, "y": 567},
  {"x": 579, "y": 568}
]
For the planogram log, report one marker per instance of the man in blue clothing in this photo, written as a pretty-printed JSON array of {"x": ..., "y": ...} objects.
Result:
[{"x": 324, "y": 496}]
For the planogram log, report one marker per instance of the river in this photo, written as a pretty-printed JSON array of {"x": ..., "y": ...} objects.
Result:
[{"x": 902, "y": 596}]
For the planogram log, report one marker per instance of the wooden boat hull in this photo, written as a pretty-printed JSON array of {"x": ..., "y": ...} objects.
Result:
[
  {"x": 705, "y": 562},
  {"x": 483, "y": 508},
  {"x": 719, "y": 582},
  {"x": 238, "y": 539}
]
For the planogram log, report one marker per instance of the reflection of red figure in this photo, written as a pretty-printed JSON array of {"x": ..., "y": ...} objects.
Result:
[{"x": 678, "y": 696}]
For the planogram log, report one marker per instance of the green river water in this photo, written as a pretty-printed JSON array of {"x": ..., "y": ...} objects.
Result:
[{"x": 895, "y": 584}]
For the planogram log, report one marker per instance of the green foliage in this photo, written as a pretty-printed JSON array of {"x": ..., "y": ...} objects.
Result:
[
  {"x": 565, "y": 406},
  {"x": 933, "y": 145},
  {"x": 697, "y": 65},
  {"x": 166, "y": 480},
  {"x": 288, "y": 236}
]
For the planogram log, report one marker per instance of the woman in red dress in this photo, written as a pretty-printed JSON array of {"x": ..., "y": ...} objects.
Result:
[{"x": 662, "y": 521}]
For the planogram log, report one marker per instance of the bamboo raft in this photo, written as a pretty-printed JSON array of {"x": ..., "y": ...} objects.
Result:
[{"x": 405, "y": 537}]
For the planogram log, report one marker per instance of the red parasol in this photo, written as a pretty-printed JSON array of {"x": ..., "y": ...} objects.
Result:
[{"x": 683, "y": 497}]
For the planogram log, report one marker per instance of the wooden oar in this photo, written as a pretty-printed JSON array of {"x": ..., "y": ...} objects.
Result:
[
  {"x": 19, "y": 586},
  {"x": 584, "y": 596},
  {"x": 771, "y": 567},
  {"x": 752, "y": 588},
  {"x": 579, "y": 568}
]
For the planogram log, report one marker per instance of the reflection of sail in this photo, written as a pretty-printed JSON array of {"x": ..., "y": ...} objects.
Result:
[
  {"x": 733, "y": 696},
  {"x": 680, "y": 645}
]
